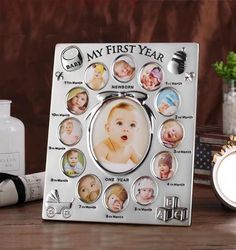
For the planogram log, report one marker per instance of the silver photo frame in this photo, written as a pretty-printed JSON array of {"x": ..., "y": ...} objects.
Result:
[{"x": 109, "y": 157}]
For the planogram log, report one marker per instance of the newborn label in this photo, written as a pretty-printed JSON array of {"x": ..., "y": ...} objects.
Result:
[{"x": 122, "y": 87}]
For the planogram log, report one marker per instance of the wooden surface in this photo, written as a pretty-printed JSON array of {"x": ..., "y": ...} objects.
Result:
[{"x": 213, "y": 227}]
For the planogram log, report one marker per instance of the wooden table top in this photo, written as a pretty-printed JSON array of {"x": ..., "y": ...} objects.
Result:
[{"x": 213, "y": 227}]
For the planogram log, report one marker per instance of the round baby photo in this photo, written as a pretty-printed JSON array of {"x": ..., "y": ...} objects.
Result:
[
  {"x": 164, "y": 165},
  {"x": 145, "y": 190},
  {"x": 70, "y": 131},
  {"x": 171, "y": 133},
  {"x": 116, "y": 132},
  {"x": 151, "y": 76},
  {"x": 96, "y": 76},
  {"x": 167, "y": 102},
  {"x": 123, "y": 68},
  {"x": 89, "y": 188},
  {"x": 116, "y": 198},
  {"x": 77, "y": 100},
  {"x": 73, "y": 163}
]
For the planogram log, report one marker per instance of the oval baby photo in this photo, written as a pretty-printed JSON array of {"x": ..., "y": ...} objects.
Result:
[{"x": 116, "y": 132}]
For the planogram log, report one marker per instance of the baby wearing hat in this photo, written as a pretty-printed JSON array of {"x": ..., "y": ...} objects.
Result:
[
  {"x": 97, "y": 82},
  {"x": 77, "y": 101},
  {"x": 168, "y": 105},
  {"x": 116, "y": 197},
  {"x": 152, "y": 79},
  {"x": 145, "y": 187},
  {"x": 163, "y": 167}
]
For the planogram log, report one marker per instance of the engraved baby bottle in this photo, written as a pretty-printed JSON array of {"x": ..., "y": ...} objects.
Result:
[{"x": 12, "y": 141}]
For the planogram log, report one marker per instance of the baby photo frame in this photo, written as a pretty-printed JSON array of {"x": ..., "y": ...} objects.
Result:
[{"x": 121, "y": 133}]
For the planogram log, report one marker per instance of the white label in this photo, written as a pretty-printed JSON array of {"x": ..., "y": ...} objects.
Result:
[
  {"x": 9, "y": 161},
  {"x": 34, "y": 189}
]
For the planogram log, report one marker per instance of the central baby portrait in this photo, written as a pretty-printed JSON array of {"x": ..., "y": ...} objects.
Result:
[
  {"x": 121, "y": 133},
  {"x": 116, "y": 132}
]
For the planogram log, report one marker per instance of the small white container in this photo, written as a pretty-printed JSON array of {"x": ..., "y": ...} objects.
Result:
[{"x": 12, "y": 141}]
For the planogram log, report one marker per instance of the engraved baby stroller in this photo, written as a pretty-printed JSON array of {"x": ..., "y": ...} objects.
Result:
[{"x": 55, "y": 206}]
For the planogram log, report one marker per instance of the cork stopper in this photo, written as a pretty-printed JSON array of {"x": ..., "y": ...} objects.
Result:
[{"x": 5, "y": 108}]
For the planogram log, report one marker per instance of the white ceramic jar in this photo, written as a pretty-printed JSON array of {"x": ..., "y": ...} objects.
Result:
[{"x": 12, "y": 141}]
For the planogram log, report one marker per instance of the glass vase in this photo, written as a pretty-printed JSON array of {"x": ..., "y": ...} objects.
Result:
[{"x": 229, "y": 107}]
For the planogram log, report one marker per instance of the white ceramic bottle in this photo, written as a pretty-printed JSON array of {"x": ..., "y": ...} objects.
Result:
[{"x": 12, "y": 141}]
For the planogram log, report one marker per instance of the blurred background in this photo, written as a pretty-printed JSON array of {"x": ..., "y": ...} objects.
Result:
[{"x": 30, "y": 29}]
